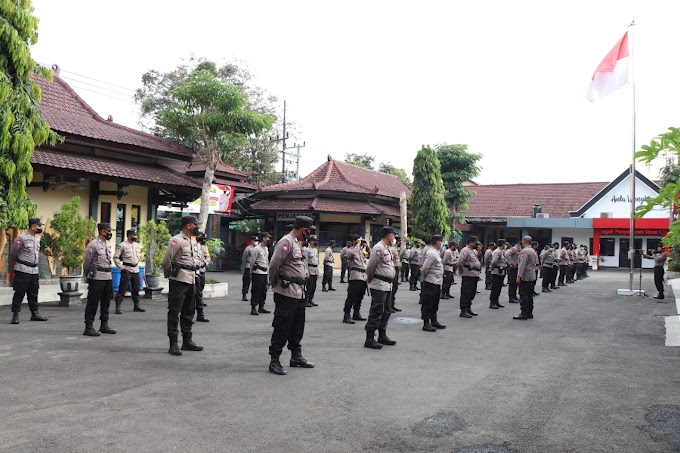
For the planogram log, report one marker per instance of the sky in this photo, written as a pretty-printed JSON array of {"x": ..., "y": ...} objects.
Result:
[{"x": 509, "y": 79}]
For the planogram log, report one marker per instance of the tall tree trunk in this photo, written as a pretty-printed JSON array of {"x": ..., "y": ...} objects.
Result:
[
  {"x": 205, "y": 194},
  {"x": 3, "y": 243},
  {"x": 403, "y": 213}
]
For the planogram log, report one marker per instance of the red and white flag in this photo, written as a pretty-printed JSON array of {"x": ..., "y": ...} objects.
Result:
[{"x": 612, "y": 73}]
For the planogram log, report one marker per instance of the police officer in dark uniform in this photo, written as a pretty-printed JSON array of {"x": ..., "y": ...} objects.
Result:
[
  {"x": 287, "y": 276},
  {"x": 97, "y": 264}
]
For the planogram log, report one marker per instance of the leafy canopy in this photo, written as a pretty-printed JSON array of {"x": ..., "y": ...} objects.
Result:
[{"x": 430, "y": 215}]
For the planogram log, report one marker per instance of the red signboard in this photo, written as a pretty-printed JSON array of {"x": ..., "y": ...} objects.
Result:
[{"x": 626, "y": 232}]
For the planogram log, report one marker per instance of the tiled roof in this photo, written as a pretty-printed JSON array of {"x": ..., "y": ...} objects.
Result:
[
  {"x": 517, "y": 200},
  {"x": 113, "y": 170},
  {"x": 68, "y": 114},
  {"x": 196, "y": 166},
  {"x": 321, "y": 204},
  {"x": 336, "y": 176}
]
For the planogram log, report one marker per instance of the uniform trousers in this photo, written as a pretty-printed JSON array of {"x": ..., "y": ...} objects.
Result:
[
  {"x": 395, "y": 284},
  {"x": 288, "y": 324},
  {"x": 311, "y": 286},
  {"x": 127, "y": 277},
  {"x": 258, "y": 294},
  {"x": 448, "y": 281},
  {"x": 25, "y": 285},
  {"x": 430, "y": 295},
  {"x": 98, "y": 293},
  {"x": 563, "y": 273},
  {"x": 198, "y": 291},
  {"x": 487, "y": 278},
  {"x": 343, "y": 268},
  {"x": 381, "y": 309},
  {"x": 405, "y": 268},
  {"x": 496, "y": 287},
  {"x": 355, "y": 294},
  {"x": 415, "y": 273},
  {"x": 658, "y": 279},
  {"x": 181, "y": 307},
  {"x": 526, "y": 297},
  {"x": 512, "y": 283},
  {"x": 468, "y": 290},
  {"x": 547, "y": 276},
  {"x": 327, "y": 275},
  {"x": 246, "y": 280},
  {"x": 555, "y": 271}
]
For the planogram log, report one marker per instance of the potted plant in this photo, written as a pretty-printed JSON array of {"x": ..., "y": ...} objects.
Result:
[
  {"x": 215, "y": 247},
  {"x": 154, "y": 238},
  {"x": 68, "y": 242}
]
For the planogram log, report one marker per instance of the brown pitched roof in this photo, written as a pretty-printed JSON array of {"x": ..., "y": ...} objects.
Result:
[
  {"x": 68, "y": 114},
  {"x": 320, "y": 204},
  {"x": 336, "y": 176},
  {"x": 196, "y": 166},
  {"x": 517, "y": 200},
  {"x": 105, "y": 169}
]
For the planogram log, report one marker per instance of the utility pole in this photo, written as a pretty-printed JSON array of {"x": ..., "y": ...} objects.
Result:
[
  {"x": 297, "y": 158},
  {"x": 277, "y": 139}
]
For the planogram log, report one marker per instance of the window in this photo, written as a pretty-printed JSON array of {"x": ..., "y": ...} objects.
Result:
[
  {"x": 340, "y": 232},
  {"x": 120, "y": 223},
  {"x": 652, "y": 244},
  {"x": 607, "y": 246},
  {"x": 569, "y": 240},
  {"x": 134, "y": 217},
  {"x": 105, "y": 213}
]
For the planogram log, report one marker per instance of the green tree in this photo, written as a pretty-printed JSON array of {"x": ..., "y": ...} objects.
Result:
[
  {"x": 360, "y": 160},
  {"x": 457, "y": 166},
  {"x": 430, "y": 215},
  {"x": 398, "y": 172},
  {"x": 205, "y": 113},
  {"x": 21, "y": 125}
]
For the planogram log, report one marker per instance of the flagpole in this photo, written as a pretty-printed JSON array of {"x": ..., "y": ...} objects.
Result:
[{"x": 631, "y": 247}]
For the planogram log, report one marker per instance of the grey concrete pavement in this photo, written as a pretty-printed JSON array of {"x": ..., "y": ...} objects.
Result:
[{"x": 589, "y": 373}]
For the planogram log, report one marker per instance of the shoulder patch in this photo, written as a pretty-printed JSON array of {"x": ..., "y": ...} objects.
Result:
[
  {"x": 284, "y": 247},
  {"x": 378, "y": 252},
  {"x": 173, "y": 242}
]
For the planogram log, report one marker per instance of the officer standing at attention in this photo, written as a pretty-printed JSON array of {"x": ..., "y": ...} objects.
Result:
[
  {"x": 498, "y": 267},
  {"x": 203, "y": 260},
  {"x": 433, "y": 278},
  {"x": 526, "y": 280},
  {"x": 470, "y": 268},
  {"x": 547, "y": 259},
  {"x": 328, "y": 261},
  {"x": 487, "y": 264},
  {"x": 659, "y": 260},
  {"x": 312, "y": 262},
  {"x": 25, "y": 252},
  {"x": 97, "y": 264},
  {"x": 126, "y": 260},
  {"x": 380, "y": 275},
  {"x": 512, "y": 257},
  {"x": 448, "y": 263},
  {"x": 245, "y": 267},
  {"x": 343, "y": 261},
  {"x": 563, "y": 262},
  {"x": 414, "y": 258},
  {"x": 356, "y": 262},
  {"x": 404, "y": 257},
  {"x": 287, "y": 275},
  {"x": 397, "y": 271},
  {"x": 259, "y": 268},
  {"x": 180, "y": 264}
]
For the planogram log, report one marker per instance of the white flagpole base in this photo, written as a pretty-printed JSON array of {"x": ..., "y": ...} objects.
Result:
[{"x": 629, "y": 292}]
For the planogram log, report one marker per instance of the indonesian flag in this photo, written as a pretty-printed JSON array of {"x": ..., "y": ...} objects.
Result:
[{"x": 612, "y": 73}]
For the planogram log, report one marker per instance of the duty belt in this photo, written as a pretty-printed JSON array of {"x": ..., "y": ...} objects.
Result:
[
  {"x": 103, "y": 269},
  {"x": 291, "y": 279},
  {"x": 25, "y": 263},
  {"x": 188, "y": 267},
  {"x": 312, "y": 265},
  {"x": 383, "y": 278},
  {"x": 357, "y": 269},
  {"x": 129, "y": 264},
  {"x": 261, "y": 268}
]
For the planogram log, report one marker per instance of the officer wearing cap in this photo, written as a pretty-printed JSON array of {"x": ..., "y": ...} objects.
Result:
[
  {"x": 448, "y": 261},
  {"x": 203, "y": 260},
  {"x": 380, "y": 275},
  {"x": 498, "y": 267},
  {"x": 97, "y": 264},
  {"x": 487, "y": 264},
  {"x": 312, "y": 263},
  {"x": 343, "y": 261},
  {"x": 180, "y": 263},
  {"x": 328, "y": 261},
  {"x": 413, "y": 263},
  {"x": 126, "y": 259},
  {"x": 245, "y": 265},
  {"x": 25, "y": 254},
  {"x": 356, "y": 262},
  {"x": 470, "y": 268},
  {"x": 397, "y": 272},
  {"x": 259, "y": 268},
  {"x": 433, "y": 278},
  {"x": 287, "y": 276}
]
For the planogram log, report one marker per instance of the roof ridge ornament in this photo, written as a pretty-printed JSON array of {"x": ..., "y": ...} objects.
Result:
[
  {"x": 329, "y": 158},
  {"x": 55, "y": 69}
]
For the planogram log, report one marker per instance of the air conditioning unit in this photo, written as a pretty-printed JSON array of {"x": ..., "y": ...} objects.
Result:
[
  {"x": 542, "y": 215},
  {"x": 606, "y": 215}
]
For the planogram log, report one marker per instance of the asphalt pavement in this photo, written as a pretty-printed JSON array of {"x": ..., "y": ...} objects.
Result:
[{"x": 589, "y": 373}]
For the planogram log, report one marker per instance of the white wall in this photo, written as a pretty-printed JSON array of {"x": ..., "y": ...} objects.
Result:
[{"x": 617, "y": 201}]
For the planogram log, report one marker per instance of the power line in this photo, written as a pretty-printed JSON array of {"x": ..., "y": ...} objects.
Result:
[
  {"x": 97, "y": 80},
  {"x": 96, "y": 86},
  {"x": 103, "y": 94}
]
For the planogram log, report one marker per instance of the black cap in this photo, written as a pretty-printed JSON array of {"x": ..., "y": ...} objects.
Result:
[
  {"x": 288, "y": 228},
  {"x": 34, "y": 221},
  {"x": 332, "y": 241},
  {"x": 437, "y": 238},
  {"x": 492, "y": 244},
  {"x": 303, "y": 221},
  {"x": 104, "y": 226},
  {"x": 129, "y": 232},
  {"x": 313, "y": 239},
  {"x": 501, "y": 242},
  {"x": 348, "y": 243},
  {"x": 189, "y": 219},
  {"x": 388, "y": 230},
  {"x": 253, "y": 237},
  {"x": 565, "y": 243},
  {"x": 263, "y": 235},
  {"x": 355, "y": 237}
]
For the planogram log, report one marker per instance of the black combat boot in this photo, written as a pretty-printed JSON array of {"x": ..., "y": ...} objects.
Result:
[
  {"x": 445, "y": 296},
  {"x": 188, "y": 344},
  {"x": 296, "y": 360},
  {"x": 436, "y": 324},
  {"x": 370, "y": 341},
  {"x": 357, "y": 316},
  {"x": 659, "y": 296},
  {"x": 471, "y": 313},
  {"x": 35, "y": 316},
  {"x": 119, "y": 307},
  {"x": 244, "y": 298},
  {"x": 15, "y": 318},
  {"x": 308, "y": 304},
  {"x": 263, "y": 310},
  {"x": 384, "y": 339},
  {"x": 395, "y": 308},
  {"x": 465, "y": 314},
  {"x": 174, "y": 347},
  {"x": 312, "y": 303},
  {"x": 427, "y": 326},
  {"x": 104, "y": 328},
  {"x": 89, "y": 330},
  {"x": 138, "y": 308},
  {"x": 253, "y": 311},
  {"x": 347, "y": 319},
  {"x": 330, "y": 287},
  {"x": 494, "y": 305},
  {"x": 275, "y": 367},
  {"x": 323, "y": 288},
  {"x": 200, "y": 316}
]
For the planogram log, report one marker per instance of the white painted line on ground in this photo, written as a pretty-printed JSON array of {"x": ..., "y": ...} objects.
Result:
[{"x": 673, "y": 322}]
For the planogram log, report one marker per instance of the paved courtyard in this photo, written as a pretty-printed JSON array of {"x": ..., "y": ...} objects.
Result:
[{"x": 589, "y": 373}]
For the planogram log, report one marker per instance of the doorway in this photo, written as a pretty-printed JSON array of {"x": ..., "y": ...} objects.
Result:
[{"x": 624, "y": 245}]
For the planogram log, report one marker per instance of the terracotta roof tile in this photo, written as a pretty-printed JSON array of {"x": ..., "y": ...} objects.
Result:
[
  {"x": 321, "y": 204},
  {"x": 517, "y": 200},
  {"x": 197, "y": 166},
  {"x": 68, "y": 114},
  {"x": 43, "y": 158}
]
